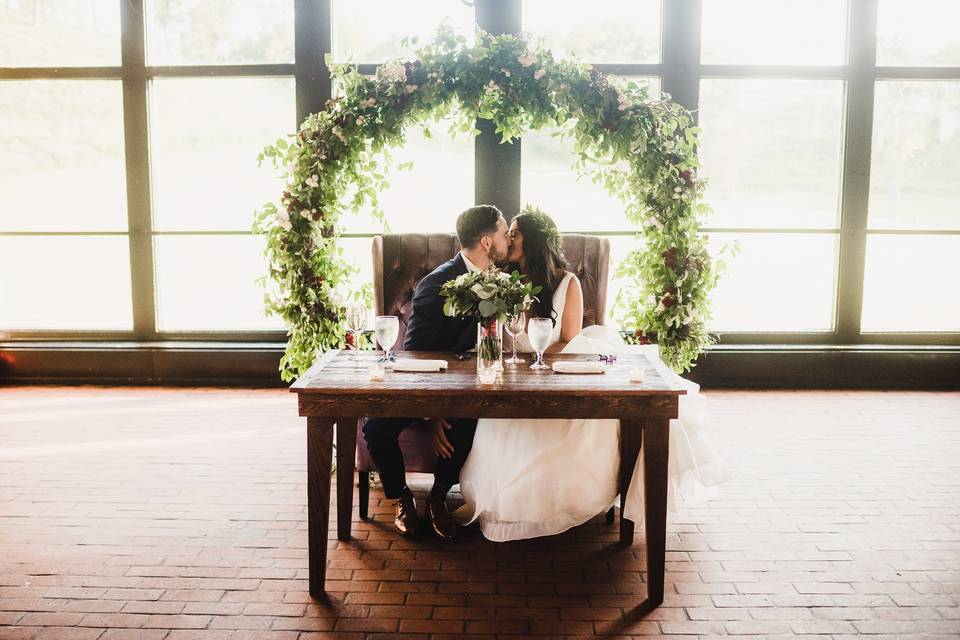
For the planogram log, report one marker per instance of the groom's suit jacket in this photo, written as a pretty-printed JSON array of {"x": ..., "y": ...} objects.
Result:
[{"x": 429, "y": 329}]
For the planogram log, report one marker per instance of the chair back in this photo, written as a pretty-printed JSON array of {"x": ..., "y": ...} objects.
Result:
[{"x": 400, "y": 261}]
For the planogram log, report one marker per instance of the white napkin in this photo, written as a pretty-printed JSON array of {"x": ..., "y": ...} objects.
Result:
[
  {"x": 561, "y": 366},
  {"x": 419, "y": 366}
]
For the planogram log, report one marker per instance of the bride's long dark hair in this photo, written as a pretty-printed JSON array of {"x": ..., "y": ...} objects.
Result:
[{"x": 545, "y": 263}]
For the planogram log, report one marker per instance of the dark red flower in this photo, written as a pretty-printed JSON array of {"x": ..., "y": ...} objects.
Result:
[
  {"x": 670, "y": 257},
  {"x": 688, "y": 177},
  {"x": 598, "y": 77}
]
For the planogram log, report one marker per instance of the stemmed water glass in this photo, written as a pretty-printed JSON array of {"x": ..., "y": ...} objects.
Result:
[
  {"x": 387, "y": 328},
  {"x": 514, "y": 327},
  {"x": 539, "y": 330},
  {"x": 356, "y": 321}
]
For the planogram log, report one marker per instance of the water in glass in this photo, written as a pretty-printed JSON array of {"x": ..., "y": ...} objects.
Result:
[
  {"x": 539, "y": 331},
  {"x": 387, "y": 327}
]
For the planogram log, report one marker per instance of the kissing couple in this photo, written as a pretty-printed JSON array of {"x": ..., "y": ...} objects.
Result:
[{"x": 523, "y": 478}]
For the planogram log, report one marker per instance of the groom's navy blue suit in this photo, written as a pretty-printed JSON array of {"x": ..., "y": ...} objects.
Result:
[{"x": 428, "y": 330}]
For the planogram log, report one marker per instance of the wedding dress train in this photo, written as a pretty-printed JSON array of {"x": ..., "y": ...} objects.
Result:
[{"x": 526, "y": 478}]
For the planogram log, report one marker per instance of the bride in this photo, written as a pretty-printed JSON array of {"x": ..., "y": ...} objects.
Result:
[{"x": 528, "y": 478}]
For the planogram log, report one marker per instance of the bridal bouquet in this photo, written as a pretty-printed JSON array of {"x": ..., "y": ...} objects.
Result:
[
  {"x": 491, "y": 297},
  {"x": 488, "y": 294}
]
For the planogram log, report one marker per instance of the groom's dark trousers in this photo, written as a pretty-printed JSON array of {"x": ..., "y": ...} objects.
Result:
[{"x": 428, "y": 330}]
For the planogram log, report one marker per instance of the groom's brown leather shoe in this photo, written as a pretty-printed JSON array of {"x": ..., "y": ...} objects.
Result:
[
  {"x": 439, "y": 516},
  {"x": 406, "y": 522}
]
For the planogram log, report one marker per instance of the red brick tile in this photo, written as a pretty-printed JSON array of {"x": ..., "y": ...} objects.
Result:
[
  {"x": 305, "y": 624},
  {"x": 143, "y": 606},
  {"x": 133, "y": 594},
  {"x": 431, "y": 626},
  {"x": 380, "y": 598},
  {"x": 65, "y": 633},
  {"x": 270, "y": 609},
  {"x": 499, "y": 627},
  {"x": 51, "y": 619},
  {"x": 213, "y": 608},
  {"x": 94, "y": 606},
  {"x": 134, "y": 634},
  {"x": 464, "y": 613},
  {"x": 366, "y": 624},
  {"x": 176, "y": 622},
  {"x": 400, "y": 611}
]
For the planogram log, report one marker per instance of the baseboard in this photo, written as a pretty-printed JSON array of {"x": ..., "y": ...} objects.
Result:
[{"x": 256, "y": 365}]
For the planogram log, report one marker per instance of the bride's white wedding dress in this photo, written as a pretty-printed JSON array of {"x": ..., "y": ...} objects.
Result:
[{"x": 526, "y": 478}]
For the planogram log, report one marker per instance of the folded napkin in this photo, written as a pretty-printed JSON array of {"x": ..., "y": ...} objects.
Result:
[
  {"x": 419, "y": 365},
  {"x": 561, "y": 366}
]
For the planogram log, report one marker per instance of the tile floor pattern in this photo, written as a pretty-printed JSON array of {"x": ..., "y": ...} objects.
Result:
[{"x": 172, "y": 514}]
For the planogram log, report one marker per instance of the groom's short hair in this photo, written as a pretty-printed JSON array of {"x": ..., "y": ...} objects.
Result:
[{"x": 476, "y": 222}]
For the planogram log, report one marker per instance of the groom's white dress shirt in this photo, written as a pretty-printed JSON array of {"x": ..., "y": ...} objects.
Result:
[{"x": 470, "y": 265}]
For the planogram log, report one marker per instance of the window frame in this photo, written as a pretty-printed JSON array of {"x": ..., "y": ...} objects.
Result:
[{"x": 497, "y": 166}]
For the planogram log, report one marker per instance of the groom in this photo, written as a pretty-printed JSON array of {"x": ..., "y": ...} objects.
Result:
[{"x": 482, "y": 231}]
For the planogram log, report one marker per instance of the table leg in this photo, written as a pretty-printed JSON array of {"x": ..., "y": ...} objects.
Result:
[
  {"x": 631, "y": 435},
  {"x": 656, "y": 457},
  {"x": 319, "y": 462},
  {"x": 346, "y": 459}
]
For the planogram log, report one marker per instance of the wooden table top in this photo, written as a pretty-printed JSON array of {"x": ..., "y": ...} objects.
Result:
[{"x": 337, "y": 373}]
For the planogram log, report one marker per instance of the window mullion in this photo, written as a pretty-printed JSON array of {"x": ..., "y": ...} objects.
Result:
[
  {"x": 312, "y": 41},
  {"x": 680, "y": 51},
  {"x": 858, "y": 131},
  {"x": 136, "y": 148},
  {"x": 497, "y": 166}
]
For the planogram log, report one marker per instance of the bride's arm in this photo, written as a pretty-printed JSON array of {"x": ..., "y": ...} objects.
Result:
[{"x": 572, "y": 321}]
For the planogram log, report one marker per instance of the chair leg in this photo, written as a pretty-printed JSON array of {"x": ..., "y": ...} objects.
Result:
[
  {"x": 364, "y": 485},
  {"x": 609, "y": 515}
]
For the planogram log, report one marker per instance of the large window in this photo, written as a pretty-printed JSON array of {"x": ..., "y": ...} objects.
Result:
[
  {"x": 621, "y": 33},
  {"x": 113, "y": 229},
  {"x": 130, "y": 130}
]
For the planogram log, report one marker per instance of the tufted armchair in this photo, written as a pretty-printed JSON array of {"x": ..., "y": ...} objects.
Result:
[{"x": 400, "y": 261}]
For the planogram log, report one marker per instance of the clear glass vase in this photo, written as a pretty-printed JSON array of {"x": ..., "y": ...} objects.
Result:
[{"x": 489, "y": 350}]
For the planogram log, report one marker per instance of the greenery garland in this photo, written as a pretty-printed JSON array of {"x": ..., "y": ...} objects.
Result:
[{"x": 642, "y": 149}]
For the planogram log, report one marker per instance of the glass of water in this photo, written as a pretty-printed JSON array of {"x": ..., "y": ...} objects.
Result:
[
  {"x": 356, "y": 321},
  {"x": 387, "y": 328},
  {"x": 539, "y": 331},
  {"x": 514, "y": 327}
]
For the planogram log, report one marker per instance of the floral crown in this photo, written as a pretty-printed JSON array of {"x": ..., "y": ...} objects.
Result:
[{"x": 545, "y": 225}]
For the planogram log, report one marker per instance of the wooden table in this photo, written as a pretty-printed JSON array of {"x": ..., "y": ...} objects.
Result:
[{"x": 337, "y": 390}]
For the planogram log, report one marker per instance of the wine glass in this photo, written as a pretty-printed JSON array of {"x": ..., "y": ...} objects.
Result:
[
  {"x": 539, "y": 330},
  {"x": 514, "y": 327},
  {"x": 388, "y": 328},
  {"x": 356, "y": 321}
]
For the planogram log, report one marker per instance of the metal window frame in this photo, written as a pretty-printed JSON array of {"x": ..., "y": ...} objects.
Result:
[{"x": 497, "y": 166}]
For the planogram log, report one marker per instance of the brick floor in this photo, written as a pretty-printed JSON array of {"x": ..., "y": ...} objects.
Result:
[{"x": 178, "y": 514}]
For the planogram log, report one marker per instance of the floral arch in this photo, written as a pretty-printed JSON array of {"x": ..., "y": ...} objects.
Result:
[{"x": 334, "y": 164}]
